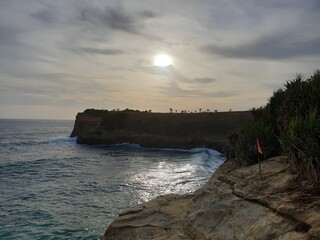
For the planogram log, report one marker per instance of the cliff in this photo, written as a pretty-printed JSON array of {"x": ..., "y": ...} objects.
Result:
[
  {"x": 234, "y": 204},
  {"x": 161, "y": 130}
]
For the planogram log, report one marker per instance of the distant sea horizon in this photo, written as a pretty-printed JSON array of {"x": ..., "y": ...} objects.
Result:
[
  {"x": 36, "y": 119},
  {"x": 73, "y": 118}
]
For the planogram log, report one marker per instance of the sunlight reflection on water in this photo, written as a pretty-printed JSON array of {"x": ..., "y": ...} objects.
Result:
[
  {"x": 167, "y": 177},
  {"x": 53, "y": 188}
]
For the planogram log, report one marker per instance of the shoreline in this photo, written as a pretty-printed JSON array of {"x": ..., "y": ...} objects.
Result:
[{"x": 234, "y": 202}]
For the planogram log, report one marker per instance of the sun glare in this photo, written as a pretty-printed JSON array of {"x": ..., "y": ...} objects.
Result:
[{"x": 162, "y": 60}]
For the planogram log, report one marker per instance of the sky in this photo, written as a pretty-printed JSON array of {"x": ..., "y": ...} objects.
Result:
[{"x": 58, "y": 58}]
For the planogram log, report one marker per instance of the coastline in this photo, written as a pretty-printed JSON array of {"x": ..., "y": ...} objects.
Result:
[
  {"x": 158, "y": 130},
  {"x": 233, "y": 204}
]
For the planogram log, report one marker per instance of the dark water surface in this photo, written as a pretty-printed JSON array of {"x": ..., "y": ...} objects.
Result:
[{"x": 52, "y": 188}]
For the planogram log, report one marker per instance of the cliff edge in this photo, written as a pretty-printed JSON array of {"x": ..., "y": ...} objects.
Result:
[
  {"x": 234, "y": 204},
  {"x": 161, "y": 130}
]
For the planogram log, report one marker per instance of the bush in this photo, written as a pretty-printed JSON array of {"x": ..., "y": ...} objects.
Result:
[
  {"x": 246, "y": 148},
  {"x": 301, "y": 143},
  {"x": 289, "y": 124}
]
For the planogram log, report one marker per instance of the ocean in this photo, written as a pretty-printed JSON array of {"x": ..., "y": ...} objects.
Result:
[{"x": 53, "y": 188}]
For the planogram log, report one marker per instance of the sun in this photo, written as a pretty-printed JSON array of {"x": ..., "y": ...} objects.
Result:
[{"x": 162, "y": 60}]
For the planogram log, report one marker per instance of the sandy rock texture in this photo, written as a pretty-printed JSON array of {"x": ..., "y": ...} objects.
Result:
[
  {"x": 161, "y": 218},
  {"x": 234, "y": 204}
]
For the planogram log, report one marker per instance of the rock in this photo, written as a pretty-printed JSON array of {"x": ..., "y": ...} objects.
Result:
[
  {"x": 234, "y": 204},
  {"x": 160, "y": 130},
  {"x": 158, "y": 219}
]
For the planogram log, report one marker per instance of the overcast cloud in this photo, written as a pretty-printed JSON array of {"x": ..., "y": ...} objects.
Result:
[{"x": 59, "y": 57}]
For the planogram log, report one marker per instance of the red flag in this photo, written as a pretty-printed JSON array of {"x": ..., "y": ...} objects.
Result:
[{"x": 258, "y": 147}]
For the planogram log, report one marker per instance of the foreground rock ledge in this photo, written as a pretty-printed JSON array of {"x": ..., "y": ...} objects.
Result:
[{"x": 234, "y": 204}]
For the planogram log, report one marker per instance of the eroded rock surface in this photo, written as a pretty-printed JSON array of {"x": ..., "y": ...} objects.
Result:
[
  {"x": 234, "y": 204},
  {"x": 161, "y": 218}
]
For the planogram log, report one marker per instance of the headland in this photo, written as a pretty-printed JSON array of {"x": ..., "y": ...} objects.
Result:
[
  {"x": 158, "y": 130},
  {"x": 236, "y": 203}
]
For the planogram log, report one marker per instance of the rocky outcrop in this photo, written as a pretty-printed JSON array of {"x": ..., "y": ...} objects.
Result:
[
  {"x": 234, "y": 204},
  {"x": 161, "y": 218},
  {"x": 161, "y": 130}
]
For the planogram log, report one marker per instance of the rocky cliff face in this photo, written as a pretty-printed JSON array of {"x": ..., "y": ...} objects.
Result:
[
  {"x": 162, "y": 130},
  {"x": 234, "y": 204}
]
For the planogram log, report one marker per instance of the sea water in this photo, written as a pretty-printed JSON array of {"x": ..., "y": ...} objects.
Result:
[{"x": 53, "y": 188}]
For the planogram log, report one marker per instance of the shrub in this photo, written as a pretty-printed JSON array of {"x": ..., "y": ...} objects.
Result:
[
  {"x": 301, "y": 143},
  {"x": 289, "y": 124},
  {"x": 246, "y": 149}
]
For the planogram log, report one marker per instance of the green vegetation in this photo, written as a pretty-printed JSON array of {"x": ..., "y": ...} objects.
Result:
[{"x": 289, "y": 124}]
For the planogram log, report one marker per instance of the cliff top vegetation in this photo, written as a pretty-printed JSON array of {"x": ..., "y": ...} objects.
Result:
[{"x": 289, "y": 124}]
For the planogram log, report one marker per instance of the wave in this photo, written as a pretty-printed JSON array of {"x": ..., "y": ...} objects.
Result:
[
  {"x": 126, "y": 145},
  {"x": 130, "y": 146},
  {"x": 193, "y": 150},
  {"x": 32, "y": 142},
  {"x": 209, "y": 151},
  {"x": 64, "y": 140},
  {"x": 197, "y": 151}
]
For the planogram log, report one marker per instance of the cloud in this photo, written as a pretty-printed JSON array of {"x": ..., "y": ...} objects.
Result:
[
  {"x": 52, "y": 87},
  {"x": 271, "y": 30},
  {"x": 9, "y": 35},
  {"x": 174, "y": 89},
  {"x": 181, "y": 86},
  {"x": 91, "y": 50},
  {"x": 86, "y": 50},
  {"x": 115, "y": 19},
  {"x": 97, "y": 23},
  {"x": 171, "y": 72},
  {"x": 40, "y": 76},
  {"x": 268, "y": 47},
  {"x": 224, "y": 94},
  {"x": 204, "y": 80},
  {"x": 148, "y": 14},
  {"x": 48, "y": 15}
]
